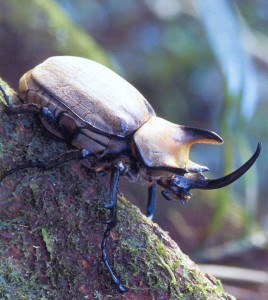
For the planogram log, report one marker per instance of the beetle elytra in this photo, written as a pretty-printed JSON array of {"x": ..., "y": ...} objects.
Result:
[{"x": 107, "y": 120}]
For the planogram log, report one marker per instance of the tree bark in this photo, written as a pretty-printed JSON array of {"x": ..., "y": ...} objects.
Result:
[{"x": 51, "y": 227}]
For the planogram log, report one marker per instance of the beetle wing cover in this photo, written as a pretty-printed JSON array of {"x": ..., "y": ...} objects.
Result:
[
  {"x": 94, "y": 93},
  {"x": 162, "y": 144}
]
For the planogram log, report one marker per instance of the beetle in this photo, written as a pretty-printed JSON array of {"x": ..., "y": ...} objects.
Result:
[{"x": 114, "y": 129}]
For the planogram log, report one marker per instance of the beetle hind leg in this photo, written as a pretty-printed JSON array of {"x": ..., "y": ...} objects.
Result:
[
  {"x": 33, "y": 108},
  {"x": 112, "y": 206},
  {"x": 45, "y": 165},
  {"x": 24, "y": 108}
]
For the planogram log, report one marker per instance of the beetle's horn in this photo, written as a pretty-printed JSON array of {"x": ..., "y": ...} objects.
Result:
[
  {"x": 195, "y": 135},
  {"x": 210, "y": 184},
  {"x": 186, "y": 137}
]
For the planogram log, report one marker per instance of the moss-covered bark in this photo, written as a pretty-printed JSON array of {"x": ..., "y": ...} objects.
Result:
[{"x": 51, "y": 228}]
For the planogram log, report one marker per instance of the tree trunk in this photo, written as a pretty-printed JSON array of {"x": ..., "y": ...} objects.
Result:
[{"x": 52, "y": 223}]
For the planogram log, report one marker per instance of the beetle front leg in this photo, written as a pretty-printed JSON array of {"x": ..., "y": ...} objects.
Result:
[
  {"x": 117, "y": 170},
  {"x": 151, "y": 201}
]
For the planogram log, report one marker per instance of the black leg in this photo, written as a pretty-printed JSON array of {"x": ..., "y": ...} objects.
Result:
[
  {"x": 112, "y": 206},
  {"x": 68, "y": 156},
  {"x": 151, "y": 201},
  {"x": 27, "y": 108},
  {"x": 117, "y": 170},
  {"x": 30, "y": 108},
  {"x": 22, "y": 109}
]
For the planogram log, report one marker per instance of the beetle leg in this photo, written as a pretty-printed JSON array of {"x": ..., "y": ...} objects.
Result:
[
  {"x": 29, "y": 108},
  {"x": 151, "y": 201},
  {"x": 116, "y": 172},
  {"x": 24, "y": 108},
  {"x": 47, "y": 113},
  {"x": 120, "y": 286},
  {"x": 33, "y": 108},
  {"x": 68, "y": 156}
]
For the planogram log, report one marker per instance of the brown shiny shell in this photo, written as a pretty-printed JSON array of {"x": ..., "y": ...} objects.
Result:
[{"x": 94, "y": 93}]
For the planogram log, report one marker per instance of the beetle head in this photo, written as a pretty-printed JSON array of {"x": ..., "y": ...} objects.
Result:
[
  {"x": 165, "y": 146},
  {"x": 179, "y": 186}
]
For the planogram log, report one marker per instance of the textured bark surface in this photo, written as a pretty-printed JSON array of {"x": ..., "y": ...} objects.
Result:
[{"x": 51, "y": 229}]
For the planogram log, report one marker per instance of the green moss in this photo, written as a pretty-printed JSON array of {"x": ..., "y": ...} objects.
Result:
[
  {"x": 15, "y": 283},
  {"x": 46, "y": 239},
  {"x": 34, "y": 187},
  {"x": 148, "y": 252},
  {"x": 9, "y": 280},
  {"x": 160, "y": 247}
]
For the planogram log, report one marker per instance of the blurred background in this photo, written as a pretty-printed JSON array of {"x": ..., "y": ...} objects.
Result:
[{"x": 199, "y": 63}]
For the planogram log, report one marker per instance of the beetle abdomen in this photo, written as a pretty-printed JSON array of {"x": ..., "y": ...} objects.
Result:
[{"x": 96, "y": 94}]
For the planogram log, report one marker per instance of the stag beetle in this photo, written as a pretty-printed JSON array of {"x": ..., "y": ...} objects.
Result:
[{"x": 107, "y": 120}]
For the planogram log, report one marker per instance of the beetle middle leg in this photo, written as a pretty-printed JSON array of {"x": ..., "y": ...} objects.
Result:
[{"x": 117, "y": 170}]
